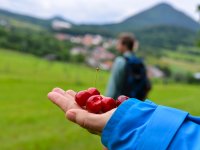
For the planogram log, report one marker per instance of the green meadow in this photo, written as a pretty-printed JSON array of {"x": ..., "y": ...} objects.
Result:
[{"x": 28, "y": 121}]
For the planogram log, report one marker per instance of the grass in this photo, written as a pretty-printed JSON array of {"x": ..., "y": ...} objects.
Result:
[
  {"x": 185, "y": 97},
  {"x": 29, "y": 121}
]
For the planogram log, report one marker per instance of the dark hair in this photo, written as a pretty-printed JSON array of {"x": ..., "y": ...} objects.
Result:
[{"x": 127, "y": 40}]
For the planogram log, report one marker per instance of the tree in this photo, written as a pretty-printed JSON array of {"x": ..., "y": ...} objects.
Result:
[{"x": 198, "y": 9}]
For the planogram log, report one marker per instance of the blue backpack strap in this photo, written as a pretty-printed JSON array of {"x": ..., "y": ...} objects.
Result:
[
  {"x": 133, "y": 59},
  {"x": 161, "y": 129}
]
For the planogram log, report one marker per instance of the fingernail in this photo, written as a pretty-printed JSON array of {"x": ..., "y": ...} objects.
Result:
[
  {"x": 71, "y": 115},
  {"x": 56, "y": 89},
  {"x": 49, "y": 95}
]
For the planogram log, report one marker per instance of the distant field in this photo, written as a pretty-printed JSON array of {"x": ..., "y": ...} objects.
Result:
[
  {"x": 29, "y": 121},
  {"x": 184, "y": 60}
]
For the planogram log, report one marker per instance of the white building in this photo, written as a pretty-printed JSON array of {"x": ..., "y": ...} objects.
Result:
[{"x": 56, "y": 24}]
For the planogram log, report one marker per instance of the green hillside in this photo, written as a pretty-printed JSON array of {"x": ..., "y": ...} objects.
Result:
[
  {"x": 161, "y": 26},
  {"x": 20, "y": 20},
  {"x": 166, "y": 37},
  {"x": 29, "y": 121},
  {"x": 23, "y": 21},
  {"x": 161, "y": 14}
]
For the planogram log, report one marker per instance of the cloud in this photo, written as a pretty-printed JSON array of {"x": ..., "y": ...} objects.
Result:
[{"x": 90, "y": 11}]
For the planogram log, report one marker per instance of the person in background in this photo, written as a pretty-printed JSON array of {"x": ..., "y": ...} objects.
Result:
[{"x": 128, "y": 76}]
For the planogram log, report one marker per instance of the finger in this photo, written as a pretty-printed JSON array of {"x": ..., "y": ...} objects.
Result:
[
  {"x": 104, "y": 148},
  {"x": 59, "y": 90},
  {"x": 71, "y": 92},
  {"x": 64, "y": 102},
  {"x": 89, "y": 121},
  {"x": 84, "y": 119},
  {"x": 94, "y": 132}
]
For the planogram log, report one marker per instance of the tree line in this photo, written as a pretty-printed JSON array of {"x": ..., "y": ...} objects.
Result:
[{"x": 39, "y": 43}]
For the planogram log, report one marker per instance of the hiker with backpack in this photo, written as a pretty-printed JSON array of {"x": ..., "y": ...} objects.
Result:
[{"x": 129, "y": 75}]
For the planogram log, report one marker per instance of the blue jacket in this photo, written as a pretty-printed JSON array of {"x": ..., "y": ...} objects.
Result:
[
  {"x": 147, "y": 126},
  {"x": 115, "y": 83}
]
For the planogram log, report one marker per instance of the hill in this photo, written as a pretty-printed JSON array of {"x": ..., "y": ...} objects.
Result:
[
  {"x": 166, "y": 37},
  {"x": 159, "y": 26},
  {"x": 15, "y": 18},
  {"x": 161, "y": 14}
]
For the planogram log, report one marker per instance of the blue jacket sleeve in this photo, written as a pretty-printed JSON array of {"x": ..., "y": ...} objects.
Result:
[{"x": 147, "y": 126}]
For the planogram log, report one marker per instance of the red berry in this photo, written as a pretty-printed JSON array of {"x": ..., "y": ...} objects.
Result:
[
  {"x": 82, "y": 97},
  {"x": 93, "y": 91},
  {"x": 94, "y": 104},
  {"x": 121, "y": 99},
  {"x": 108, "y": 104}
]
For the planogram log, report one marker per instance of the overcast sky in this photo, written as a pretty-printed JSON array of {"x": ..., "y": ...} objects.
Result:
[{"x": 93, "y": 11}]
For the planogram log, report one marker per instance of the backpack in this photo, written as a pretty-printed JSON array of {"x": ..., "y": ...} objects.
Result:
[{"x": 136, "y": 83}]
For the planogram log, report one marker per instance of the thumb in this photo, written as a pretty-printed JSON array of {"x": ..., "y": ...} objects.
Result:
[{"x": 89, "y": 121}]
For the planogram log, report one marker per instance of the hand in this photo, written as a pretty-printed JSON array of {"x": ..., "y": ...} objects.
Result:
[{"x": 94, "y": 123}]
